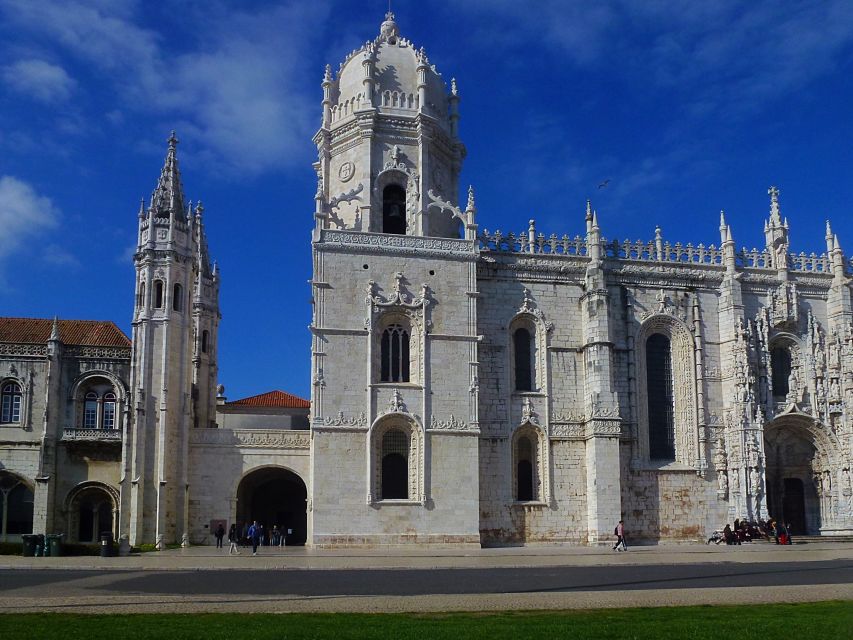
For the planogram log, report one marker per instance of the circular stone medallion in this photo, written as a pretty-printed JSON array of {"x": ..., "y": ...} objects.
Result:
[{"x": 346, "y": 171}]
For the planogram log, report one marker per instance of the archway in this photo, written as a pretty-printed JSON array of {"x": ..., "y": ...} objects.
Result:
[
  {"x": 274, "y": 497},
  {"x": 16, "y": 507},
  {"x": 91, "y": 508},
  {"x": 793, "y": 460}
]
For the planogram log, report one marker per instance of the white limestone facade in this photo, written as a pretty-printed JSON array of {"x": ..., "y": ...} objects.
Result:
[{"x": 468, "y": 387}]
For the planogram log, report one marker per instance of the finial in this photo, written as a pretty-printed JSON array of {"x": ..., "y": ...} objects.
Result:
[
  {"x": 199, "y": 209},
  {"x": 453, "y": 89},
  {"x": 828, "y": 230},
  {"x": 319, "y": 194},
  {"x": 54, "y": 331},
  {"x": 658, "y": 233},
  {"x": 471, "y": 206},
  {"x": 327, "y": 76},
  {"x": 173, "y": 141},
  {"x": 388, "y": 31},
  {"x": 775, "y": 220},
  {"x": 722, "y": 219},
  {"x": 141, "y": 208},
  {"x": 589, "y": 210},
  {"x": 215, "y": 271}
]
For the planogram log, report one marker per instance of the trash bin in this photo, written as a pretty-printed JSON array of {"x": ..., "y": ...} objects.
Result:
[
  {"x": 29, "y": 541},
  {"x": 107, "y": 550},
  {"x": 39, "y": 544},
  {"x": 53, "y": 545}
]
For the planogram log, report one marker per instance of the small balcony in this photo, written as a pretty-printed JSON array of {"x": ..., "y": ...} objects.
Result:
[{"x": 73, "y": 434}]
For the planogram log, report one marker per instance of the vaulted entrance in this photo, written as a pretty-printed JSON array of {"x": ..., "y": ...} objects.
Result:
[
  {"x": 795, "y": 463},
  {"x": 275, "y": 497}
]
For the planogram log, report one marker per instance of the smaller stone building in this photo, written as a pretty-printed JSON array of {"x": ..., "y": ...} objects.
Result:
[{"x": 63, "y": 405}]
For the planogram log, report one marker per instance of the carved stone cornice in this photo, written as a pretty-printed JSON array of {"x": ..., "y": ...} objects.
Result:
[
  {"x": 335, "y": 240},
  {"x": 252, "y": 438}
]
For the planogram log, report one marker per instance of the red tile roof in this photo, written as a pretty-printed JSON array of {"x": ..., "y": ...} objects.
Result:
[
  {"x": 95, "y": 333},
  {"x": 273, "y": 399}
]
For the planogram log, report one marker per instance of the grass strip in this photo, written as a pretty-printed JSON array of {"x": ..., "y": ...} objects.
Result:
[{"x": 805, "y": 620}]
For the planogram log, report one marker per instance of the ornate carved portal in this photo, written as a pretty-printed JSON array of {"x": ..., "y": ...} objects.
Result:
[{"x": 805, "y": 486}]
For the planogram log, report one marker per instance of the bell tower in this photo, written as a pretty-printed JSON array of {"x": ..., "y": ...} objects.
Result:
[
  {"x": 173, "y": 365},
  {"x": 389, "y": 138}
]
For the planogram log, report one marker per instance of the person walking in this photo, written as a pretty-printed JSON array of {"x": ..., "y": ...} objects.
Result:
[
  {"x": 255, "y": 536},
  {"x": 233, "y": 538},
  {"x": 620, "y": 537},
  {"x": 220, "y": 533}
]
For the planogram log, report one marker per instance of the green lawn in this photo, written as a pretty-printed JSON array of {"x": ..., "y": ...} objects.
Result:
[{"x": 823, "y": 620}]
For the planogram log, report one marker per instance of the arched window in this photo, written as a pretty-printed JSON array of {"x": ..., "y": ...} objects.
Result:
[
  {"x": 90, "y": 411},
  {"x": 394, "y": 353},
  {"x": 205, "y": 337},
  {"x": 11, "y": 403},
  {"x": 394, "y": 481},
  {"x": 659, "y": 387},
  {"x": 394, "y": 210},
  {"x": 140, "y": 301},
  {"x": 780, "y": 365},
  {"x": 523, "y": 352},
  {"x": 109, "y": 419},
  {"x": 178, "y": 297},
  {"x": 524, "y": 468},
  {"x": 158, "y": 294}
]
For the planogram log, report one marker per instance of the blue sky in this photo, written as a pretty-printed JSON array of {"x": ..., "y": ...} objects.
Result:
[{"x": 686, "y": 107}]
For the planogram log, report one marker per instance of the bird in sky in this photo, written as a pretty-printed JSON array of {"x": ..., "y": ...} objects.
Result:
[{"x": 604, "y": 183}]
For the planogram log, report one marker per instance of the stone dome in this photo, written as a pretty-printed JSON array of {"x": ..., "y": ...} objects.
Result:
[{"x": 396, "y": 62}]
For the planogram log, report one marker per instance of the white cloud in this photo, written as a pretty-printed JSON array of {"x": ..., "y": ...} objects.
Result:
[
  {"x": 24, "y": 215},
  {"x": 58, "y": 256},
  {"x": 38, "y": 79},
  {"x": 236, "y": 82}
]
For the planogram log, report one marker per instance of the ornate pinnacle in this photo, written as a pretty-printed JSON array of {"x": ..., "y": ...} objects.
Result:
[
  {"x": 199, "y": 209},
  {"x": 775, "y": 219},
  {"x": 54, "y": 331},
  {"x": 828, "y": 230},
  {"x": 168, "y": 196},
  {"x": 453, "y": 88},
  {"x": 722, "y": 219},
  {"x": 173, "y": 141},
  {"x": 327, "y": 76},
  {"x": 589, "y": 210},
  {"x": 471, "y": 206},
  {"x": 141, "y": 208}
]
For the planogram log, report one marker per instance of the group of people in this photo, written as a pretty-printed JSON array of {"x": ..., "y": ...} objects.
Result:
[
  {"x": 253, "y": 534},
  {"x": 744, "y": 531}
]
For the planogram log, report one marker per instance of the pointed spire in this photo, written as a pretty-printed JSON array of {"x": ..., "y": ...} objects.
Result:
[
  {"x": 141, "y": 208},
  {"x": 327, "y": 76},
  {"x": 199, "y": 209},
  {"x": 722, "y": 219},
  {"x": 589, "y": 210},
  {"x": 54, "y": 331},
  {"x": 775, "y": 218},
  {"x": 168, "y": 196},
  {"x": 836, "y": 245},
  {"x": 595, "y": 219}
]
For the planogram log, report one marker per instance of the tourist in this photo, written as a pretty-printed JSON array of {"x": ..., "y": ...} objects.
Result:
[
  {"x": 220, "y": 533},
  {"x": 620, "y": 537},
  {"x": 255, "y": 536},
  {"x": 233, "y": 538}
]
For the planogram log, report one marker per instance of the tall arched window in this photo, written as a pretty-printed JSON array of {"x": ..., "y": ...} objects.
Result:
[
  {"x": 780, "y": 365},
  {"x": 659, "y": 387},
  {"x": 523, "y": 353},
  {"x": 158, "y": 294},
  {"x": 205, "y": 337},
  {"x": 525, "y": 457},
  {"x": 10, "y": 401},
  {"x": 394, "y": 353},
  {"x": 90, "y": 411},
  {"x": 395, "y": 465},
  {"x": 178, "y": 297},
  {"x": 140, "y": 302},
  {"x": 109, "y": 420},
  {"x": 394, "y": 209}
]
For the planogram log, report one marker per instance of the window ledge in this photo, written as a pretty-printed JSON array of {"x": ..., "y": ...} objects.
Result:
[
  {"x": 664, "y": 466},
  {"x": 399, "y": 385},
  {"x": 529, "y": 503},
  {"x": 398, "y": 503}
]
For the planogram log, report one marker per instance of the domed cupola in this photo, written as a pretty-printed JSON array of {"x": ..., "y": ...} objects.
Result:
[{"x": 389, "y": 136}]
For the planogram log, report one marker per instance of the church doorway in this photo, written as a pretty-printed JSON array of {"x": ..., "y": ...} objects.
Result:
[
  {"x": 275, "y": 497},
  {"x": 793, "y": 461},
  {"x": 92, "y": 507}
]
